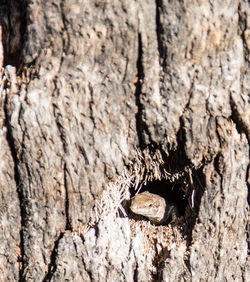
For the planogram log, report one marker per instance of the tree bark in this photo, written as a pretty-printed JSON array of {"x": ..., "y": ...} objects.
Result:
[{"x": 98, "y": 98}]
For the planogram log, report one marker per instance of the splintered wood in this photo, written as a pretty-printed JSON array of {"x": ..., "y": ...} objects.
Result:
[{"x": 159, "y": 240}]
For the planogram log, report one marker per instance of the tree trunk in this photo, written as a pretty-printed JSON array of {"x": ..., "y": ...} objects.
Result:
[{"x": 100, "y": 98}]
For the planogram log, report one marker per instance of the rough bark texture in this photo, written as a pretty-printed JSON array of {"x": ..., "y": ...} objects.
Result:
[{"x": 91, "y": 89}]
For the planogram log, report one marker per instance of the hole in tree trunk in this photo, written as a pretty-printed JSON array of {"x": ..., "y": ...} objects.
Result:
[
  {"x": 182, "y": 186},
  {"x": 171, "y": 192}
]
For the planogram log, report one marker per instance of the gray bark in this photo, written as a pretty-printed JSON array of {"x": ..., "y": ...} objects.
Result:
[{"x": 98, "y": 97}]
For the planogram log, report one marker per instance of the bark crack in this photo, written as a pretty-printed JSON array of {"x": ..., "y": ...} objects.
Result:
[
  {"x": 52, "y": 265},
  {"x": 140, "y": 125},
  {"x": 68, "y": 224},
  {"x": 10, "y": 140},
  {"x": 91, "y": 105},
  {"x": 189, "y": 97},
  {"x": 57, "y": 116},
  {"x": 63, "y": 136},
  {"x": 87, "y": 270},
  {"x": 243, "y": 29},
  {"x": 65, "y": 39},
  {"x": 236, "y": 118},
  {"x": 159, "y": 32}
]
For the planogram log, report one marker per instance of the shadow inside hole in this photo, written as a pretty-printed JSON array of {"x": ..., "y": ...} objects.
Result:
[{"x": 171, "y": 192}]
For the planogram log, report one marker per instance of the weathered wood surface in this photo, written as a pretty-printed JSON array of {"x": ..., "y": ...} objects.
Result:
[{"x": 84, "y": 86}]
